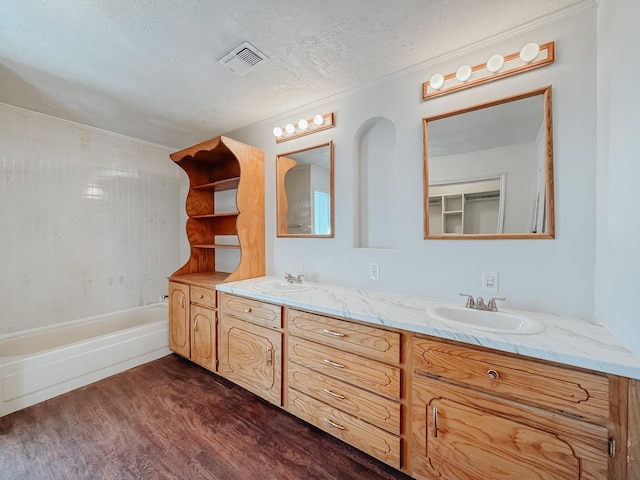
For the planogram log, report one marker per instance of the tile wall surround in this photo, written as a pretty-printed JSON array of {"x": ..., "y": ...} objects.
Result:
[{"x": 90, "y": 220}]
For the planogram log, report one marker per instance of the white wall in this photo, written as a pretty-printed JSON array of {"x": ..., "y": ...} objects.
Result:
[
  {"x": 546, "y": 275},
  {"x": 89, "y": 220},
  {"x": 618, "y": 265}
]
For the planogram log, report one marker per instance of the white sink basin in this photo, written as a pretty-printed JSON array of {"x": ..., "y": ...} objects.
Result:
[
  {"x": 500, "y": 322},
  {"x": 282, "y": 286}
]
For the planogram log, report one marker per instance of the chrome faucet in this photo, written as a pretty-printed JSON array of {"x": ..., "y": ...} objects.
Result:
[
  {"x": 291, "y": 279},
  {"x": 479, "y": 304}
]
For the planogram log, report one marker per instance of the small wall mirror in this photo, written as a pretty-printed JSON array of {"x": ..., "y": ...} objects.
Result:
[
  {"x": 304, "y": 192},
  {"x": 488, "y": 170}
]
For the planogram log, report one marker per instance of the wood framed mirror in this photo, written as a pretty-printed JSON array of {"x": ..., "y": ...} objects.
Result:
[
  {"x": 304, "y": 192},
  {"x": 488, "y": 170}
]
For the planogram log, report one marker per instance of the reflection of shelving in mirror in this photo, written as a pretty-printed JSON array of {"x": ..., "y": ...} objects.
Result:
[{"x": 472, "y": 207}]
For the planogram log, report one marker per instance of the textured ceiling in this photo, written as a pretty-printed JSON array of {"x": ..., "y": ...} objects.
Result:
[{"x": 148, "y": 68}]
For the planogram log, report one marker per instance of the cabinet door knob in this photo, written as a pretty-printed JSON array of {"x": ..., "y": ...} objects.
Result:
[
  {"x": 493, "y": 374},
  {"x": 201, "y": 296},
  {"x": 247, "y": 310}
]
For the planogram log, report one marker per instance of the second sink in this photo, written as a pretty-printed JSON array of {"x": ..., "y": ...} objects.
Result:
[{"x": 499, "y": 322}]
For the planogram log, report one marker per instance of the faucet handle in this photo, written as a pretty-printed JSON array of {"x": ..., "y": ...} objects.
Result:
[
  {"x": 288, "y": 277},
  {"x": 492, "y": 303},
  {"x": 470, "y": 301},
  {"x": 299, "y": 278}
]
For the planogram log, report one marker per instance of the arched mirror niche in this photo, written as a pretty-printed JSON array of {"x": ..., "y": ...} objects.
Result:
[
  {"x": 375, "y": 184},
  {"x": 304, "y": 192},
  {"x": 488, "y": 170}
]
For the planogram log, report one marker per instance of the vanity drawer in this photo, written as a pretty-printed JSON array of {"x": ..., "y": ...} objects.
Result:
[
  {"x": 381, "y": 412},
  {"x": 372, "y": 440},
  {"x": 203, "y": 296},
  {"x": 573, "y": 391},
  {"x": 361, "y": 339},
  {"x": 251, "y": 310},
  {"x": 374, "y": 376}
]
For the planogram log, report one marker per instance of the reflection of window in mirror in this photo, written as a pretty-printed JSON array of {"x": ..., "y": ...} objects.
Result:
[
  {"x": 304, "y": 192},
  {"x": 488, "y": 170}
]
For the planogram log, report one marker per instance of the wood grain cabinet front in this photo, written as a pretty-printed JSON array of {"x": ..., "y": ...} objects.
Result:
[
  {"x": 461, "y": 434},
  {"x": 479, "y": 414},
  {"x": 250, "y": 354},
  {"x": 575, "y": 392},
  {"x": 345, "y": 378},
  {"x": 261, "y": 313},
  {"x": 193, "y": 327}
]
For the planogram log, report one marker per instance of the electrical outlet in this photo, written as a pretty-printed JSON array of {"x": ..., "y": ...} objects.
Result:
[
  {"x": 374, "y": 271},
  {"x": 490, "y": 282}
]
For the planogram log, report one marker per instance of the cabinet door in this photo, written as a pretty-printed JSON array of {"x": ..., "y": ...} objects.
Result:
[
  {"x": 203, "y": 336},
  {"x": 179, "y": 324},
  {"x": 251, "y": 356},
  {"x": 460, "y": 434}
]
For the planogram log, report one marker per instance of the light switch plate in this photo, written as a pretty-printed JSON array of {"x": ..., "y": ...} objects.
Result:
[{"x": 490, "y": 282}]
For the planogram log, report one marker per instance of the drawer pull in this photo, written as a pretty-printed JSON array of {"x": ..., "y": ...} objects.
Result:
[
  {"x": 333, "y": 424},
  {"x": 335, "y": 395},
  {"x": 201, "y": 296},
  {"x": 493, "y": 374},
  {"x": 195, "y": 325},
  {"x": 247, "y": 310},
  {"x": 333, "y": 364},
  {"x": 335, "y": 334}
]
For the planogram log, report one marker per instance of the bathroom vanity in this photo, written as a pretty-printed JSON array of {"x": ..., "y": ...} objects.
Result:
[{"x": 433, "y": 399}]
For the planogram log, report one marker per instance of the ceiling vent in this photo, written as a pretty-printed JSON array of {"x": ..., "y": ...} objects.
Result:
[{"x": 243, "y": 59}]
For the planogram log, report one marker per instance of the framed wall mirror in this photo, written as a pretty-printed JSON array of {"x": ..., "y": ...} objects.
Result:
[
  {"x": 304, "y": 192},
  {"x": 488, "y": 170}
]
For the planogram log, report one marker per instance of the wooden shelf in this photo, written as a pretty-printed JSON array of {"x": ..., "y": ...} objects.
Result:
[
  {"x": 217, "y": 215},
  {"x": 204, "y": 279},
  {"x": 216, "y": 245},
  {"x": 220, "y": 185}
]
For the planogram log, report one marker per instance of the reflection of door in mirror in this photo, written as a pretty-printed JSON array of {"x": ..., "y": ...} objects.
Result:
[
  {"x": 304, "y": 191},
  {"x": 489, "y": 170}
]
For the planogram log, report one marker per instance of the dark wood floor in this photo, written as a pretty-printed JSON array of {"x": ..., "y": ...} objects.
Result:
[{"x": 170, "y": 419}]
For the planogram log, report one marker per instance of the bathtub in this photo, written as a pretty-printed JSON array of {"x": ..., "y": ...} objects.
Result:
[{"x": 42, "y": 363}]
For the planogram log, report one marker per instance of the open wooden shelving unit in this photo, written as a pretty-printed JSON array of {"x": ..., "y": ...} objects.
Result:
[{"x": 218, "y": 165}]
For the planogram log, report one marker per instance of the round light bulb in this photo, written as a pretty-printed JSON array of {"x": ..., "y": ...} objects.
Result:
[
  {"x": 289, "y": 128},
  {"x": 463, "y": 73},
  {"x": 495, "y": 63},
  {"x": 318, "y": 119},
  {"x": 277, "y": 132},
  {"x": 303, "y": 124},
  {"x": 437, "y": 81},
  {"x": 529, "y": 52}
]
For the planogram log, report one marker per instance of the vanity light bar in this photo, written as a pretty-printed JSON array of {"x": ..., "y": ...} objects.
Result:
[
  {"x": 304, "y": 127},
  {"x": 531, "y": 56}
]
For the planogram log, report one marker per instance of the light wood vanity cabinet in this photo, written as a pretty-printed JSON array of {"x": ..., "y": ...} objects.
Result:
[
  {"x": 477, "y": 414},
  {"x": 192, "y": 323},
  {"x": 345, "y": 378},
  {"x": 251, "y": 345}
]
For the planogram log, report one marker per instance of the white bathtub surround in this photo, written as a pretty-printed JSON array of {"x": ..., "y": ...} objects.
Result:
[
  {"x": 89, "y": 220},
  {"x": 46, "y": 362},
  {"x": 566, "y": 340}
]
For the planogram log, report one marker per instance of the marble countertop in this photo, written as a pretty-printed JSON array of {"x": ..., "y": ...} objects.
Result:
[{"x": 565, "y": 340}]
